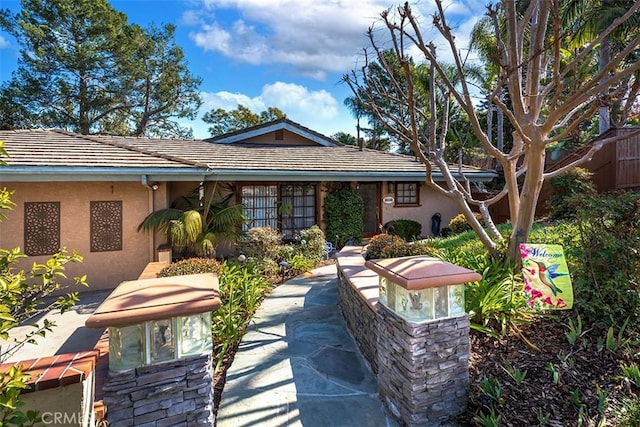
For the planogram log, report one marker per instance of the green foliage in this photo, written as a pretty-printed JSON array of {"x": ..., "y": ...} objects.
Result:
[
  {"x": 196, "y": 227},
  {"x": 459, "y": 224},
  {"x": 567, "y": 189},
  {"x": 497, "y": 299},
  {"x": 406, "y": 228},
  {"x": 241, "y": 291},
  {"x": 606, "y": 270},
  {"x": 191, "y": 266},
  {"x": 83, "y": 67},
  {"x": 265, "y": 250},
  {"x": 343, "y": 214},
  {"x": 631, "y": 373},
  {"x": 392, "y": 246},
  {"x": 312, "y": 243},
  {"x": 259, "y": 242},
  {"x": 224, "y": 121}
]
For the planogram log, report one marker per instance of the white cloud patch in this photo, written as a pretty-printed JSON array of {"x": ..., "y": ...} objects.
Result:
[
  {"x": 4, "y": 43},
  {"x": 318, "y": 110},
  {"x": 314, "y": 37}
]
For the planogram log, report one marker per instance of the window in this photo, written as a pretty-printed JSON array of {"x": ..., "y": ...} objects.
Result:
[
  {"x": 41, "y": 228},
  {"x": 287, "y": 207},
  {"x": 407, "y": 194},
  {"x": 298, "y": 208},
  {"x": 260, "y": 205},
  {"x": 106, "y": 226}
]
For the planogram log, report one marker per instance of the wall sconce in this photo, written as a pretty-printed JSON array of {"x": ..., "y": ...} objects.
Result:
[
  {"x": 154, "y": 187},
  {"x": 391, "y": 187}
]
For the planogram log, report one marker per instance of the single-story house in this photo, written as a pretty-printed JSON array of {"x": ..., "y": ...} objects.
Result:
[{"x": 90, "y": 192}]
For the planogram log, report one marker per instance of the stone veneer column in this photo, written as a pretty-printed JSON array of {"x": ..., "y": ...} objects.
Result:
[
  {"x": 423, "y": 368},
  {"x": 175, "y": 393}
]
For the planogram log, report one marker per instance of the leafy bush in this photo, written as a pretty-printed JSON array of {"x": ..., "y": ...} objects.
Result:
[
  {"x": 299, "y": 264},
  {"x": 391, "y": 246},
  {"x": 378, "y": 243},
  {"x": 259, "y": 242},
  {"x": 191, "y": 266},
  {"x": 343, "y": 214},
  {"x": 496, "y": 300},
  {"x": 459, "y": 224},
  {"x": 607, "y": 272},
  {"x": 408, "y": 229},
  {"x": 313, "y": 243},
  {"x": 564, "y": 189}
]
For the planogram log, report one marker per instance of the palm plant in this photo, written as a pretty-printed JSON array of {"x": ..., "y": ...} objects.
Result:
[{"x": 197, "y": 223}]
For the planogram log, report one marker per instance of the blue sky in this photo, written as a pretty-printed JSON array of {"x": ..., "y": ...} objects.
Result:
[{"x": 289, "y": 54}]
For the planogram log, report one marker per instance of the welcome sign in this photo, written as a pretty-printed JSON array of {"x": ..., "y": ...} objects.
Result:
[{"x": 546, "y": 276}]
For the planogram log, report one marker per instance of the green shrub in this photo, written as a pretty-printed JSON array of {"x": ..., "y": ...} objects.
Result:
[
  {"x": 459, "y": 224},
  {"x": 344, "y": 214},
  {"x": 191, "y": 266},
  {"x": 496, "y": 300},
  {"x": 392, "y": 246},
  {"x": 378, "y": 243},
  {"x": 312, "y": 243},
  {"x": 259, "y": 242},
  {"x": 299, "y": 264},
  {"x": 607, "y": 271},
  {"x": 567, "y": 189},
  {"x": 408, "y": 229}
]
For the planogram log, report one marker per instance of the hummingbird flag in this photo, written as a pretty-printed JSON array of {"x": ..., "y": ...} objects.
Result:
[{"x": 546, "y": 276}]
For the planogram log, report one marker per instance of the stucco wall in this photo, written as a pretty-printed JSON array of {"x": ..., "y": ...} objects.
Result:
[
  {"x": 103, "y": 269},
  {"x": 430, "y": 203}
]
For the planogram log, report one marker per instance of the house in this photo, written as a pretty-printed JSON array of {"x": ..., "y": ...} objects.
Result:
[{"x": 90, "y": 192}]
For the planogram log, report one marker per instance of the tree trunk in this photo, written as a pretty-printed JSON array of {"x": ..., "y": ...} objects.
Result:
[
  {"x": 604, "y": 120},
  {"x": 528, "y": 199}
]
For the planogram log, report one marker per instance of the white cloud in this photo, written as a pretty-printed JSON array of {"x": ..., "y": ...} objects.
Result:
[
  {"x": 315, "y": 37},
  {"x": 3, "y": 43},
  {"x": 317, "y": 110}
]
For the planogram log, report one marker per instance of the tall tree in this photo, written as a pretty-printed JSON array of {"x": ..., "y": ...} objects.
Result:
[
  {"x": 545, "y": 105},
  {"x": 224, "y": 121},
  {"x": 84, "y": 68}
]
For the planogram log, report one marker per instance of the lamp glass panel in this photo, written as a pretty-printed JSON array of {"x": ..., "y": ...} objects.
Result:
[
  {"x": 195, "y": 334},
  {"x": 126, "y": 347},
  {"x": 456, "y": 300},
  {"x": 162, "y": 340}
]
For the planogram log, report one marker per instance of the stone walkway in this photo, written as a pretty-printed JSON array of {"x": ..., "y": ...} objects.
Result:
[{"x": 299, "y": 366}]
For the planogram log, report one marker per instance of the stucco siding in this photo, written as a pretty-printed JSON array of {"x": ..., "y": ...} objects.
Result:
[
  {"x": 103, "y": 269},
  {"x": 430, "y": 203}
]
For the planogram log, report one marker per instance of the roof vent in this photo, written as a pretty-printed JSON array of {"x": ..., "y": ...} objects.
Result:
[{"x": 280, "y": 135}]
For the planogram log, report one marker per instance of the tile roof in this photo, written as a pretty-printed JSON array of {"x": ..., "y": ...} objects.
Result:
[
  {"x": 40, "y": 147},
  {"x": 45, "y": 148}
]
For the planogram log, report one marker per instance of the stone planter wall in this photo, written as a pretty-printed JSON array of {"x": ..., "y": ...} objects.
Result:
[
  {"x": 423, "y": 375},
  {"x": 360, "y": 318},
  {"x": 176, "y": 393}
]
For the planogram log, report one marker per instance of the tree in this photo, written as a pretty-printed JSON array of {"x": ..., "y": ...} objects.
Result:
[
  {"x": 23, "y": 296},
  {"x": 535, "y": 71},
  {"x": 198, "y": 223},
  {"x": 224, "y": 121},
  {"x": 84, "y": 68}
]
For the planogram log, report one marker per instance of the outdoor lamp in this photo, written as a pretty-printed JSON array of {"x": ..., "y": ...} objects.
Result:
[{"x": 421, "y": 288}]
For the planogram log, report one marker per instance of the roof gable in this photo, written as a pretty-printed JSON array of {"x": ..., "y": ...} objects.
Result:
[{"x": 278, "y": 132}]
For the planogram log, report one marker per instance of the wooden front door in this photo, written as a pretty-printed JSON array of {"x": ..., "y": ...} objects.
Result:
[{"x": 370, "y": 192}]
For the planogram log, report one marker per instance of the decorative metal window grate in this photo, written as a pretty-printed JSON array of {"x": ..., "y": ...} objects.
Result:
[
  {"x": 41, "y": 228},
  {"x": 260, "y": 205},
  {"x": 106, "y": 226}
]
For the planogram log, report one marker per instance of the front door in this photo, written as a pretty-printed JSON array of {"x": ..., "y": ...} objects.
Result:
[{"x": 371, "y": 195}]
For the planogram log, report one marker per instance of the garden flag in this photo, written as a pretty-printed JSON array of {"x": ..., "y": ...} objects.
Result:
[{"x": 546, "y": 276}]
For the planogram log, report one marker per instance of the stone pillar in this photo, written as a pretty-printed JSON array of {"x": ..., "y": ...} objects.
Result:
[
  {"x": 175, "y": 393},
  {"x": 423, "y": 374}
]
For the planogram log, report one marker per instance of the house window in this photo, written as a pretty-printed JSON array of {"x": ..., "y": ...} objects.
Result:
[
  {"x": 260, "y": 205},
  {"x": 41, "y": 228},
  {"x": 106, "y": 226},
  {"x": 407, "y": 194},
  {"x": 297, "y": 208},
  {"x": 288, "y": 208}
]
